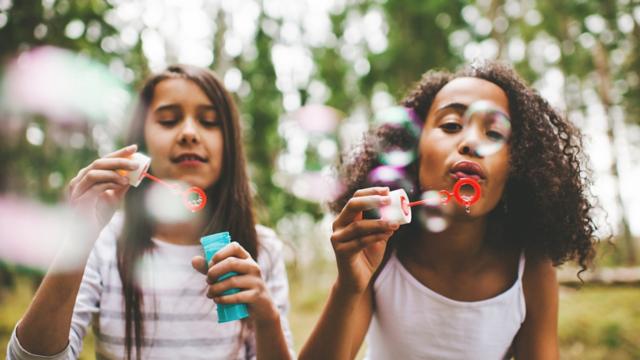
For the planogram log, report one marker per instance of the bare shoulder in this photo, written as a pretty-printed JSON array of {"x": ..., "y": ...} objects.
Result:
[{"x": 539, "y": 276}]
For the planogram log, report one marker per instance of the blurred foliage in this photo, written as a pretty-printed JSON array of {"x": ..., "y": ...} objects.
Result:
[{"x": 420, "y": 36}]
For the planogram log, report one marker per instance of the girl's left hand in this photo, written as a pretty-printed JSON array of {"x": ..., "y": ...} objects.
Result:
[{"x": 253, "y": 290}]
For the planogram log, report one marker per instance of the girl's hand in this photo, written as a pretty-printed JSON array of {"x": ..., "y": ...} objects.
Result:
[
  {"x": 253, "y": 290},
  {"x": 360, "y": 244},
  {"x": 97, "y": 189}
]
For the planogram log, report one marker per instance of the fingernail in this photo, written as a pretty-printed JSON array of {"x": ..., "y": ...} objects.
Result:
[
  {"x": 385, "y": 200},
  {"x": 132, "y": 147}
]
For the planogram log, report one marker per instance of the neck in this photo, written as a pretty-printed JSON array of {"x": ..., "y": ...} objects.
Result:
[{"x": 461, "y": 246}]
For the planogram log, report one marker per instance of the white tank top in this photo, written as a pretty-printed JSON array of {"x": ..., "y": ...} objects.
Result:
[{"x": 411, "y": 321}]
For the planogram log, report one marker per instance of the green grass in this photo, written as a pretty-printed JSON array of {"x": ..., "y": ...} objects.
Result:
[
  {"x": 13, "y": 304},
  {"x": 600, "y": 322},
  {"x": 595, "y": 322}
]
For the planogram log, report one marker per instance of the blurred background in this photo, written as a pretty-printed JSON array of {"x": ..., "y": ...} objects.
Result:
[{"x": 69, "y": 69}]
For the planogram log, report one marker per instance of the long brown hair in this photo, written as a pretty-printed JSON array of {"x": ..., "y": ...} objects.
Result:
[{"x": 231, "y": 211}]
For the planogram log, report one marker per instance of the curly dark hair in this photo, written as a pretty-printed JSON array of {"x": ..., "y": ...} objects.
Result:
[{"x": 546, "y": 207}]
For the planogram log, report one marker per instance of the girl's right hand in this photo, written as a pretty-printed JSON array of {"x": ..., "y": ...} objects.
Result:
[
  {"x": 360, "y": 243},
  {"x": 98, "y": 188}
]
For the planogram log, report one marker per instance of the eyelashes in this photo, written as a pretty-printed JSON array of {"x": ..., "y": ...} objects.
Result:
[{"x": 171, "y": 122}]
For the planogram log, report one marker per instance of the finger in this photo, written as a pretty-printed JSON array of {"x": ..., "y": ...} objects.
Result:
[
  {"x": 232, "y": 249},
  {"x": 352, "y": 247},
  {"x": 356, "y": 205},
  {"x": 97, "y": 190},
  {"x": 114, "y": 196},
  {"x": 94, "y": 177},
  {"x": 379, "y": 190},
  {"x": 123, "y": 152},
  {"x": 102, "y": 164},
  {"x": 199, "y": 264},
  {"x": 363, "y": 228},
  {"x": 74, "y": 182},
  {"x": 114, "y": 164},
  {"x": 118, "y": 194},
  {"x": 240, "y": 266},
  {"x": 242, "y": 297},
  {"x": 243, "y": 282}
]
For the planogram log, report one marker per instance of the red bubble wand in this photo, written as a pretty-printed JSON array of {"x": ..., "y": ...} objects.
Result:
[{"x": 463, "y": 200}]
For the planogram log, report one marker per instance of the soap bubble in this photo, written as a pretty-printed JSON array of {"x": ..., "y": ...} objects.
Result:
[
  {"x": 399, "y": 132},
  {"x": 391, "y": 176},
  {"x": 166, "y": 205},
  {"x": 433, "y": 213},
  {"x": 305, "y": 166},
  {"x": 493, "y": 126}
]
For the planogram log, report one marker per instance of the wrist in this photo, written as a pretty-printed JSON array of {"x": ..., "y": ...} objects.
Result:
[
  {"x": 268, "y": 317},
  {"x": 348, "y": 288}
]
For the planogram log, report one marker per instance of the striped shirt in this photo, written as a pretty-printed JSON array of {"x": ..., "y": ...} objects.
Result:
[{"x": 180, "y": 321}]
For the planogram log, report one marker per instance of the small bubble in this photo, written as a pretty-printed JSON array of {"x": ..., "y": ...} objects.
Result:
[
  {"x": 433, "y": 213},
  {"x": 492, "y": 124}
]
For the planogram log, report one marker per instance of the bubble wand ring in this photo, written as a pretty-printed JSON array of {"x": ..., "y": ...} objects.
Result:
[
  {"x": 464, "y": 200},
  {"x": 193, "y": 205}
]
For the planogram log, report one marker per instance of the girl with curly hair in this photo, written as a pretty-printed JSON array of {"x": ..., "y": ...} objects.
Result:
[{"x": 486, "y": 287}]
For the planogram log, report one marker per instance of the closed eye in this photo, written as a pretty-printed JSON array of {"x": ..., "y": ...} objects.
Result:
[
  {"x": 209, "y": 123},
  {"x": 168, "y": 122}
]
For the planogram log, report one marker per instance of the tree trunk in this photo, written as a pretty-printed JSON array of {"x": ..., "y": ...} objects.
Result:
[{"x": 600, "y": 57}]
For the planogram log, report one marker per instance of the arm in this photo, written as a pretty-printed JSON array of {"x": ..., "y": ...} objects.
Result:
[
  {"x": 84, "y": 307},
  {"x": 359, "y": 246},
  {"x": 538, "y": 336},
  {"x": 46, "y": 326},
  {"x": 342, "y": 325},
  {"x": 94, "y": 194}
]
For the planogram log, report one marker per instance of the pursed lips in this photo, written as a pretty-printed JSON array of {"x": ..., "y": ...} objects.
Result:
[{"x": 467, "y": 169}]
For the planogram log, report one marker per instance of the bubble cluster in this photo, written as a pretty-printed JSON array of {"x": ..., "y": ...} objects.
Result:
[
  {"x": 398, "y": 132},
  {"x": 305, "y": 167},
  {"x": 64, "y": 87}
]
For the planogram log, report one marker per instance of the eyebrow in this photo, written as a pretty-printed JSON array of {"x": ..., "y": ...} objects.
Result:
[
  {"x": 169, "y": 107},
  {"x": 460, "y": 107},
  {"x": 176, "y": 107}
]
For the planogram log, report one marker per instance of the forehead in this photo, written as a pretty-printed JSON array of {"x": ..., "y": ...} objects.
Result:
[
  {"x": 179, "y": 91},
  {"x": 467, "y": 90}
]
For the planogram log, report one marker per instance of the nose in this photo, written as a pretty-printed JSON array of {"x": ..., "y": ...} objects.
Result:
[
  {"x": 189, "y": 132},
  {"x": 470, "y": 141}
]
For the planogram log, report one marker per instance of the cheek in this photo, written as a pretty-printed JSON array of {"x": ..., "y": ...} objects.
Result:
[
  {"x": 216, "y": 145},
  {"x": 431, "y": 155},
  {"x": 157, "y": 142},
  {"x": 431, "y": 162},
  {"x": 500, "y": 173}
]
